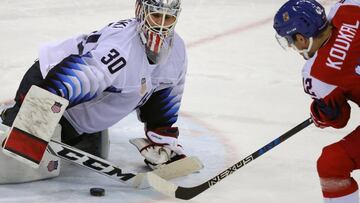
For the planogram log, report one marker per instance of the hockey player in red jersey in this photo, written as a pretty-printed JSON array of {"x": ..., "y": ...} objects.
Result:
[{"x": 331, "y": 76}]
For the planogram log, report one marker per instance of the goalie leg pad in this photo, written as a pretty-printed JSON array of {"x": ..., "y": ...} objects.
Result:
[
  {"x": 13, "y": 171},
  {"x": 25, "y": 145},
  {"x": 36, "y": 121}
]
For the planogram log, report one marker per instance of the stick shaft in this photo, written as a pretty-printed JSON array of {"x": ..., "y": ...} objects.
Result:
[{"x": 188, "y": 193}]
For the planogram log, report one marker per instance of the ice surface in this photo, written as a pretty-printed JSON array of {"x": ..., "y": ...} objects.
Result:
[{"x": 242, "y": 91}]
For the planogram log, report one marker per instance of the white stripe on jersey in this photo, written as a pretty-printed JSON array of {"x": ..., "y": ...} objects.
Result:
[
  {"x": 85, "y": 86},
  {"x": 77, "y": 84},
  {"x": 321, "y": 89}
]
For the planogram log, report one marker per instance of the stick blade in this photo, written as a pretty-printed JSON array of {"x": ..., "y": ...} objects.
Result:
[
  {"x": 158, "y": 180},
  {"x": 176, "y": 169},
  {"x": 182, "y": 167},
  {"x": 161, "y": 185}
]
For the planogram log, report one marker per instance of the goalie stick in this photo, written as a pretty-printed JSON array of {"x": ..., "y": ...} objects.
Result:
[
  {"x": 175, "y": 169},
  {"x": 187, "y": 193},
  {"x": 30, "y": 136}
]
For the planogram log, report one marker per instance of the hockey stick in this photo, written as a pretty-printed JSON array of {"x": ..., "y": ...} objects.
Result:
[
  {"x": 24, "y": 127},
  {"x": 187, "y": 193},
  {"x": 176, "y": 169}
]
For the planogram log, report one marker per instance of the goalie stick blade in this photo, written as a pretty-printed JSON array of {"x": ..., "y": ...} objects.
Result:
[
  {"x": 161, "y": 185},
  {"x": 176, "y": 169},
  {"x": 182, "y": 167}
]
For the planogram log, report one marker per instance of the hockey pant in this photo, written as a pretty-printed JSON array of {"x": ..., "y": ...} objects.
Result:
[{"x": 336, "y": 163}]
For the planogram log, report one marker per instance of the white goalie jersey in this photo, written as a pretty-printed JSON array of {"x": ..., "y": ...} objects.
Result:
[{"x": 106, "y": 75}]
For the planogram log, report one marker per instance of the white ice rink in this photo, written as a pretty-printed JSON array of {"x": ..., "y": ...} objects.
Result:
[{"x": 242, "y": 92}]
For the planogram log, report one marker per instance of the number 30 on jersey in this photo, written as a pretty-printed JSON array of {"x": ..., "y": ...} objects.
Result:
[{"x": 114, "y": 61}]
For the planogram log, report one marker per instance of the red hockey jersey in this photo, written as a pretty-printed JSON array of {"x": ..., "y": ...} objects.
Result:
[{"x": 333, "y": 73}]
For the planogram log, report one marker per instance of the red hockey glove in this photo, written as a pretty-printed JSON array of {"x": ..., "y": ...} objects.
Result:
[{"x": 325, "y": 114}]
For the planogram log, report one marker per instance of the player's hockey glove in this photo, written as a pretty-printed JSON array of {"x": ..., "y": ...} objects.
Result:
[
  {"x": 160, "y": 147},
  {"x": 325, "y": 114}
]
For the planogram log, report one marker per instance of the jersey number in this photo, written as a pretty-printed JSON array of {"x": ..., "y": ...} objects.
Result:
[
  {"x": 114, "y": 61},
  {"x": 307, "y": 83}
]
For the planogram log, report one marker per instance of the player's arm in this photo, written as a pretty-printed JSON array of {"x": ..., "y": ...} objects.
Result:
[
  {"x": 331, "y": 111},
  {"x": 159, "y": 114},
  {"x": 329, "y": 107},
  {"x": 74, "y": 80},
  {"x": 161, "y": 110},
  {"x": 80, "y": 78}
]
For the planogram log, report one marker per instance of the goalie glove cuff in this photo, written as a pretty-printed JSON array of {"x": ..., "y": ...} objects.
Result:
[
  {"x": 160, "y": 148},
  {"x": 167, "y": 137}
]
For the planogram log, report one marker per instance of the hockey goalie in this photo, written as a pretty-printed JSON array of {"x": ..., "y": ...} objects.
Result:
[{"x": 81, "y": 86}]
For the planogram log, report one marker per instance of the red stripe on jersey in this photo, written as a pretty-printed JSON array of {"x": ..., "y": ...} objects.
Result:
[
  {"x": 157, "y": 44},
  {"x": 26, "y": 145}
]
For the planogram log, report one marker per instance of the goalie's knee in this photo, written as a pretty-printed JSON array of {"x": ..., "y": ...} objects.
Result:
[
  {"x": 334, "y": 167},
  {"x": 97, "y": 143}
]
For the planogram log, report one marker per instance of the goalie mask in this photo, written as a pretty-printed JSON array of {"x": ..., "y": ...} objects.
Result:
[{"x": 157, "y": 20}]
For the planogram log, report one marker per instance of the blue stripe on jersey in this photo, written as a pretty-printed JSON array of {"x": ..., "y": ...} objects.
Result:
[
  {"x": 93, "y": 38},
  {"x": 161, "y": 109},
  {"x": 51, "y": 90},
  {"x": 87, "y": 97},
  {"x": 70, "y": 72},
  {"x": 165, "y": 93},
  {"x": 172, "y": 112},
  {"x": 76, "y": 59},
  {"x": 169, "y": 102},
  {"x": 113, "y": 89},
  {"x": 87, "y": 55},
  {"x": 72, "y": 65},
  {"x": 172, "y": 120},
  {"x": 61, "y": 87},
  {"x": 64, "y": 81}
]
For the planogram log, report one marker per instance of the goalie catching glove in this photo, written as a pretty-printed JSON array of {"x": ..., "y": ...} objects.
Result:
[{"x": 161, "y": 146}]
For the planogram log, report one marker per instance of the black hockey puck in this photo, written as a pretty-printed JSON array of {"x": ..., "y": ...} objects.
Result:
[{"x": 96, "y": 191}]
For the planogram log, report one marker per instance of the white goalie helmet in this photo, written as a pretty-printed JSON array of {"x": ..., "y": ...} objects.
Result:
[{"x": 157, "y": 20}]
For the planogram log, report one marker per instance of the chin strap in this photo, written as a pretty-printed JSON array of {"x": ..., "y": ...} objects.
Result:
[{"x": 304, "y": 52}]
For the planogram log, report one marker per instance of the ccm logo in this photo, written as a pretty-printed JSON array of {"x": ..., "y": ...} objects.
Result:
[{"x": 94, "y": 164}]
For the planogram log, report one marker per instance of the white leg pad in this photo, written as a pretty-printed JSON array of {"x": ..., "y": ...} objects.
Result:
[
  {"x": 34, "y": 125},
  {"x": 351, "y": 198},
  {"x": 13, "y": 171}
]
